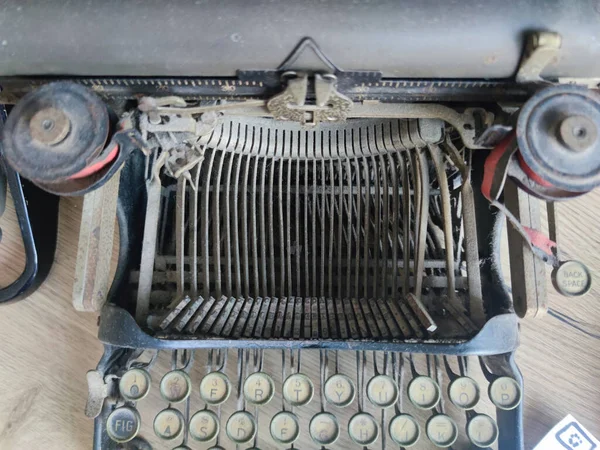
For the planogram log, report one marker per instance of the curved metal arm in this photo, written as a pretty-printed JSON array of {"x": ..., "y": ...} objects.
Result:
[{"x": 37, "y": 213}]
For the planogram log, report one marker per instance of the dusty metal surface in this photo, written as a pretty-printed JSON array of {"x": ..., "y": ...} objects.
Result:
[
  {"x": 542, "y": 49},
  {"x": 291, "y": 104},
  {"x": 558, "y": 137},
  {"x": 273, "y": 225},
  {"x": 94, "y": 252},
  {"x": 54, "y": 132},
  {"x": 528, "y": 272}
]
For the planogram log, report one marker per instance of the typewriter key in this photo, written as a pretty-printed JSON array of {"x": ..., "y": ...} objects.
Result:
[
  {"x": 324, "y": 428},
  {"x": 363, "y": 429},
  {"x": 175, "y": 386},
  {"x": 572, "y": 278},
  {"x": 482, "y": 430},
  {"x": 216, "y": 447},
  {"x": 382, "y": 391},
  {"x": 285, "y": 427},
  {"x": 404, "y": 430},
  {"x": 168, "y": 424},
  {"x": 134, "y": 385},
  {"x": 505, "y": 393},
  {"x": 298, "y": 389},
  {"x": 123, "y": 424},
  {"x": 464, "y": 393},
  {"x": 424, "y": 392},
  {"x": 182, "y": 447},
  {"x": 339, "y": 390},
  {"x": 204, "y": 426},
  {"x": 259, "y": 388},
  {"x": 241, "y": 427},
  {"x": 442, "y": 430},
  {"x": 215, "y": 388}
]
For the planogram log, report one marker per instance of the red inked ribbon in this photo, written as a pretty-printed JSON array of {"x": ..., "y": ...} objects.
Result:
[
  {"x": 97, "y": 165},
  {"x": 541, "y": 241}
]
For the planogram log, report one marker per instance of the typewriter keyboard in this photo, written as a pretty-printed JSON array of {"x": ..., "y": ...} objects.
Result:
[{"x": 220, "y": 399}]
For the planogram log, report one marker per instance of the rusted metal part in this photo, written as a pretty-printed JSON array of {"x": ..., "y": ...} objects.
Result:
[
  {"x": 315, "y": 200},
  {"x": 292, "y": 105},
  {"x": 153, "y": 205},
  {"x": 475, "y": 306},
  {"x": 355, "y": 139},
  {"x": 465, "y": 122},
  {"x": 421, "y": 312},
  {"x": 99, "y": 388},
  {"x": 94, "y": 252},
  {"x": 421, "y": 176},
  {"x": 194, "y": 89},
  {"x": 440, "y": 169},
  {"x": 528, "y": 272},
  {"x": 177, "y": 105}
]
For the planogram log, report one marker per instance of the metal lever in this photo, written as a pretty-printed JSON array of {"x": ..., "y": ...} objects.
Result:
[
  {"x": 37, "y": 213},
  {"x": 2, "y": 195}
]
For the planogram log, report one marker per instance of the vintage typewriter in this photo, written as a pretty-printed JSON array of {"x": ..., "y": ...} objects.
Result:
[{"x": 303, "y": 249}]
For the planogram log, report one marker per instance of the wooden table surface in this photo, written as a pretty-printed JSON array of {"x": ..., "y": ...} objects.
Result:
[{"x": 47, "y": 347}]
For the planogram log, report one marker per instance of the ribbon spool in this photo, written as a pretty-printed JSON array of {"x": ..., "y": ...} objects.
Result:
[
  {"x": 558, "y": 138},
  {"x": 56, "y": 136}
]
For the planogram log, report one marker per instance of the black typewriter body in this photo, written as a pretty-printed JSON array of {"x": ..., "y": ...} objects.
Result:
[{"x": 303, "y": 181}]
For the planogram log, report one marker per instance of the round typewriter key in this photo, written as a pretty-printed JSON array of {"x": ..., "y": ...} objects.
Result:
[
  {"x": 215, "y": 388},
  {"x": 382, "y": 391},
  {"x": 259, "y": 388},
  {"x": 241, "y": 427},
  {"x": 204, "y": 426},
  {"x": 216, "y": 447},
  {"x": 442, "y": 430},
  {"x": 424, "y": 392},
  {"x": 464, "y": 393},
  {"x": 175, "y": 386},
  {"x": 572, "y": 278},
  {"x": 339, "y": 390},
  {"x": 298, "y": 389},
  {"x": 284, "y": 427},
  {"x": 123, "y": 424},
  {"x": 134, "y": 385},
  {"x": 482, "y": 430},
  {"x": 324, "y": 428},
  {"x": 168, "y": 424},
  {"x": 182, "y": 447},
  {"x": 363, "y": 429},
  {"x": 505, "y": 393},
  {"x": 404, "y": 430}
]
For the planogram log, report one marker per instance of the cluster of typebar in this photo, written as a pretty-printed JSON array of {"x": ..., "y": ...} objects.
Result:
[{"x": 377, "y": 388}]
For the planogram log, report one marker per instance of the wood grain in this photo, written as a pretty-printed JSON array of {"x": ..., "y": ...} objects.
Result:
[{"x": 48, "y": 347}]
